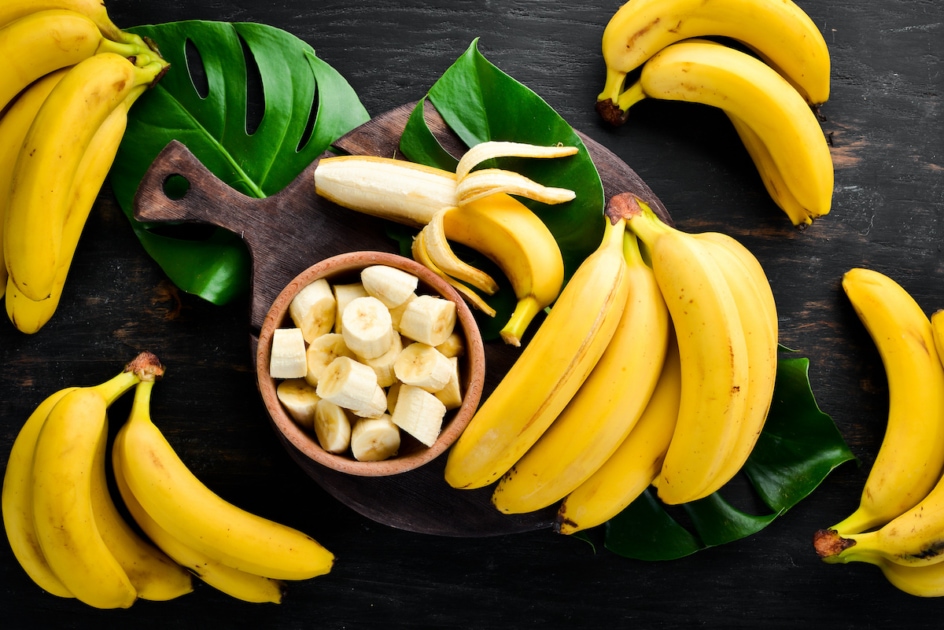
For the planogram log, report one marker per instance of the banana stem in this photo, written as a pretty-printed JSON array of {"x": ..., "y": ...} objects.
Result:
[
  {"x": 525, "y": 311},
  {"x": 141, "y": 406},
  {"x": 638, "y": 215},
  {"x": 113, "y": 388},
  {"x": 632, "y": 95}
]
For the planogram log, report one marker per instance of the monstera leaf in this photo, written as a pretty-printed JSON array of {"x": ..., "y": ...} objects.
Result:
[
  {"x": 204, "y": 101},
  {"x": 479, "y": 102},
  {"x": 797, "y": 449}
]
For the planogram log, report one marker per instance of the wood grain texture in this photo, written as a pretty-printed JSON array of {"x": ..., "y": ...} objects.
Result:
[{"x": 885, "y": 122}]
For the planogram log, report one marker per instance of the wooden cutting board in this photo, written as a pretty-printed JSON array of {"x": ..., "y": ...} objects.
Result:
[{"x": 294, "y": 229}]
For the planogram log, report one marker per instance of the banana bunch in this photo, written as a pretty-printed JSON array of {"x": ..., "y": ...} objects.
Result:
[
  {"x": 71, "y": 78},
  {"x": 475, "y": 208},
  {"x": 656, "y": 365},
  {"x": 71, "y": 539},
  {"x": 770, "y": 96},
  {"x": 59, "y": 517},
  {"x": 899, "y": 523}
]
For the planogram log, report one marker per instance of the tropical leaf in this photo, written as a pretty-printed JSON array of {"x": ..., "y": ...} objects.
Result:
[
  {"x": 205, "y": 102},
  {"x": 799, "y": 446}
]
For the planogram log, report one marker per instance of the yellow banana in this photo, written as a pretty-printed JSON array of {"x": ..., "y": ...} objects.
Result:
[
  {"x": 550, "y": 370},
  {"x": 28, "y": 315},
  {"x": 95, "y": 10},
  {"x": 63, "y": 508},
  {"x": 484, "y": 218},
  {"x": 200, "y": 519},
  {"x": 778, "y": 30},
  {"x": 154, "y": 576},
  {"x": 911, "y": 456},
  {"x": 925, "y": 581},
  {"x": 604, "y": 409},
  {"x": 514, "y": 238},
  {"x": 17, "y": 501},
  {"x": 635, "y": 463},
  {"x": 777, "y": 187},
  {"x": 758, "y": 313},
  {"x": 53, "y": 148},
  {"x": 13, "y": 126},
  {"x": 238, "y": 584},
  {"x": 713, "y": 349},
  {"x": 38, "y": 43},
  {"x": 743, "y": 86}
]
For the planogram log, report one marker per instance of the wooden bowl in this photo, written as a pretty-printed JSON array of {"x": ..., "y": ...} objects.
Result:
[{"x": 412, "y": 453}]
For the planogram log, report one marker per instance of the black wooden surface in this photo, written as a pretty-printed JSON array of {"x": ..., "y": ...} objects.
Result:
[{"x": 886, "y": 122}]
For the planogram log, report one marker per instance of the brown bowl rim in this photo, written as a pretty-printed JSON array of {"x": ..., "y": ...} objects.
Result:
[{"x": 305, "y": 443}]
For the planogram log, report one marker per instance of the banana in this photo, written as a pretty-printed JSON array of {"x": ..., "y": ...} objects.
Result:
[
  {"x": 489, "y": 221},
  {"x": 43, "y": 41},
  {"x": 778, "y": 30},
  {"x": 13, "y": 126},
  {"x": 53, "y": 148},
  {"x": 919, "y": 581},
  {"x": 29, "y": 316},
  {"x": 374, "y": 439},
  {"x": 63, "y": 508},
  {"x": 321, "y": 352},
  {"x": 742, "y": 86},
  {"x": 200, "y": 519},
  {"x": 384, "y": 366},
  {"x": 313, "y": 310},
  {"x": 428, "y": 319},
  {"x": 419, "y": 413},
  {"x": 367, "y": 327},
  {"x": 911, "y": 456},
  {"x": 451, "y": 395},
  {"x": 332, "y": 427},
  {"x": 758, "y": 314},
  {"x": 12, "y": 10},
  {"x": 299, "y": 399},
  {"x": 343, "y": 294},
  {"x": 17, "y": 501},
  {"x": 288, "y": 358},
  {"x": 423, "y": 366},
  {"x": 348, "y": 383},
  {"x": 714, "y": 353},
  {"x": 444, "y": 258},
  {"x": 549, "y": 371},
  {"x": 604, "y": 409},
  {"x": 635, "y": 463},
  {"x": 390, "y": 285},
  {"x": 239, "y": 584},
  {"x": 777, "y": 187},
  {"x": 153, "y": 575},
  {"x": 421, "y": 255}
]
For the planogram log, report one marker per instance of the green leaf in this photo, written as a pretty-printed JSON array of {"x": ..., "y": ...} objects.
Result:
[
  {"x": 306, "y": 106},
  {"x": 798, "y": 448},
  {"x": 479, "y": 102}
]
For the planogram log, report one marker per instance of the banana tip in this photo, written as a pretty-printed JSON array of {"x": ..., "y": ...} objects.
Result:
[
  {"x": 611, "y": 112},
  {"x": 829, "y": 544}
]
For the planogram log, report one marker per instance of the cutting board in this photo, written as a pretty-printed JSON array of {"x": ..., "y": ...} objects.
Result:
[{"x": 294, "y": 229}]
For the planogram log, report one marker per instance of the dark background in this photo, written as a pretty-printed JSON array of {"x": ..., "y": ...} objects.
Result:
[{"x": 886, "y": 123}]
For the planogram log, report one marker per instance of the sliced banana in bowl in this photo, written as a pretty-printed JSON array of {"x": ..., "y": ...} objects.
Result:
[{"x": 392, "y": 358}]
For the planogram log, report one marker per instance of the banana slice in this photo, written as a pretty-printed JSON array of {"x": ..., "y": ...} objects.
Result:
[
  {"x": 419, "y": 413},
  {"x": 313, "y": 309},
  {"x": 396, "y": 313},
  {"x": 383, "y": 365},
  {"x": 332, "y": 427},
  {"x": 392, "y": 392},
  {"x": 321, "y": 352},
  {"x": 423, "y": 366},
  {"x": 453, "y": 346},
  {"x": 299, "y": 399},
  {"x": 377, "y": 406},
  {"x": 390, "y": 285},
  {"x": 451, "y": 394},
  {"x": 367, "y": 327},
  {"x": 287, "y": 358},
  {"x": 374, "y": 439},
  {"x": 343, "y": 294},
  {"x": 348, "y": 383},
  {"x": 428, "y": 319}
]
